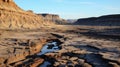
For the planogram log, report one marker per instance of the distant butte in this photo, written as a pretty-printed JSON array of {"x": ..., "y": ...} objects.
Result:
[{"x": 53, "y": 18}]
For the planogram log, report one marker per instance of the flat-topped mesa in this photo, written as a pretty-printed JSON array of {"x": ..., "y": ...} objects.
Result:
[
  {"x": 53, "y": 18},
  {"x": 13, "y": 17}
]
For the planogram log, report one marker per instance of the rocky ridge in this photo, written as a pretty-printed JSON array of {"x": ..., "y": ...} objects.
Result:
[{"x": 106, "y": 20}]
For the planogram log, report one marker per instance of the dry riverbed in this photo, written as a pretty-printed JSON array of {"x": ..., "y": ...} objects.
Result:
[{"x": 57, "y": 47}]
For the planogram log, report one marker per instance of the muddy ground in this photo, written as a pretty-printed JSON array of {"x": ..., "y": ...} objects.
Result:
[{"x": 81, "y": 46}]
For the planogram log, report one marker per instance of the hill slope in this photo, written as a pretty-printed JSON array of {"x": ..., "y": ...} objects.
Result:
[{"x": 13, "y": 17}]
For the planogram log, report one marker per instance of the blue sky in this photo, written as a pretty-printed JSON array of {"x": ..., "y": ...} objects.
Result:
[{"x": 72, "y": 9}]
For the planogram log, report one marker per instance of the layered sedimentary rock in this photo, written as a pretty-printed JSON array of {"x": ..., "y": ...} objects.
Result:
[
  {"x": 53, "y": 18},
  {"x": 13, "y": 17},
  {"x": 18, "y": 51},
  {"x": 107, "y": 20}
]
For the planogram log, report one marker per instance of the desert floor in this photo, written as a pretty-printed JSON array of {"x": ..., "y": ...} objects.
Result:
[{"x": 81, "y": 46}]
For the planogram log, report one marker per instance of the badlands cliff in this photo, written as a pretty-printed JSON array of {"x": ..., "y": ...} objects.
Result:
[{"x": 13, "y": 17}]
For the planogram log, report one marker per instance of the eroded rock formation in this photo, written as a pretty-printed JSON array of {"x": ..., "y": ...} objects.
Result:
[
  {"x": 22, "y": 52},
  {"x": 13, "y": 17},
  {"x": 15, "y": 53}
]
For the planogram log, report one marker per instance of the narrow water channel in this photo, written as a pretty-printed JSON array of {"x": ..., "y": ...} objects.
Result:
[{"x": 48, "y": 48}]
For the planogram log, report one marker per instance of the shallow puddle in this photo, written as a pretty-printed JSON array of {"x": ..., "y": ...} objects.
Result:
[{"x": 49, "y": 47}]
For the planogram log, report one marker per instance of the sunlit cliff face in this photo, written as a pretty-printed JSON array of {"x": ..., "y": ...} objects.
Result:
[{"x": 14, "y": 17}]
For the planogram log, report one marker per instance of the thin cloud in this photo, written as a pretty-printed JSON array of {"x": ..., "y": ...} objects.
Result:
[
  {"x": 87, "y": 3},
  {"x": 75, "y": 2},
  {"x": 113, "y": 8}
]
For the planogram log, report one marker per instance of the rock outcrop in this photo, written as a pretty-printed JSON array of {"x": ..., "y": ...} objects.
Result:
[
  {"x": 23, "y": 51},
  {"x": 53, "y": 18},
  {"x": 15, "y": 53},
  {"x": 13, "y": 17},
  {"x": 107, "y": 20}
]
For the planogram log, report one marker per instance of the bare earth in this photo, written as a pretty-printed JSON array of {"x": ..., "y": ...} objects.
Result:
[{"x": 82, "y": 46}]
